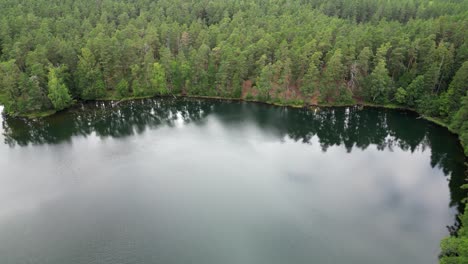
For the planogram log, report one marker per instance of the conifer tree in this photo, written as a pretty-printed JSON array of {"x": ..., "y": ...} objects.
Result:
[{"x": 58, "y": 91}]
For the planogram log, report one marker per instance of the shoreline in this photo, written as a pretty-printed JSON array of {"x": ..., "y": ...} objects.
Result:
[
  {"x": 308, "y": 106},
  {"x": 436, "y": 121}
]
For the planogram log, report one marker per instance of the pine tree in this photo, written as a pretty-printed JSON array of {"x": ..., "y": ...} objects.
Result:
[
  {"x": 123, "y": 88},
  {"x": 23, "y": 93},
  {"x": 458, "y": 87},
  {"x": 380, "y": 83},
  {"x": 333, "y": 77},
  {"x": 460, "y": 122},
  {"x": 89, "y": 76},
  {"x": 9, "y": 85},
  {"x": 312, "y": 76},
  {"x": 158, "y": 79},
  {"x": 264, "y": 82},
  {"x": 414, "y": 91},
  {"x": 58, "y": 91}
]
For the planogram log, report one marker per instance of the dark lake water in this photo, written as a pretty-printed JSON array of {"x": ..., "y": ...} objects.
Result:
[{"x": 206, "y": 182}]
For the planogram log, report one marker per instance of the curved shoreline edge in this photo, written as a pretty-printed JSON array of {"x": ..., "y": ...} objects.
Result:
[{"x": 433, "y": 120}]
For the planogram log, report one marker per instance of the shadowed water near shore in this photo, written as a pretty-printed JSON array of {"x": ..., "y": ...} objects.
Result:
[{"x": 203, "y": 181}]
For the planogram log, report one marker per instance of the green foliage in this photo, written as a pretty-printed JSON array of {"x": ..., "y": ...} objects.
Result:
[
  {"x": 123, "y": 88},
  {"x": 375, "y": 10},
  {"x": 158, "y": 79},
  {"x": 213, "y": 54},
  {"x": 360, "y": 70},
  {"x": 249, "y": 97},
  {"x": 58, "y": 91},
  {"x": 415, "y": 91},
  {"x": 345, "y": 96},
  {"x": 333, "y": 51},
  {"x": 89, "y": 77},
  {"x": 457, "y": 89},
  {"x": 460, "y": 123},
  {"x": 401, "y": 95},
  {"x": 95, "y": 90},
  {"x": 312, "y": 77},
  {"x": 264, "y": 83},
  {"x": 333, "y": 77},
  {"x": 455, "y": 248},
  {"x": 140, "y": 86},
  {"x": 380, "y": 83},
  {"x": 22, "y": 93}
]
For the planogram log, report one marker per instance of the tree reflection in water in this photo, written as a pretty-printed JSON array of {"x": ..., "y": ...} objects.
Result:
[{"x": 348, "y": 127}]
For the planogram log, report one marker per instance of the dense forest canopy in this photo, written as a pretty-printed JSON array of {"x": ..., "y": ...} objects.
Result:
[{"x": 411, "y": 53}]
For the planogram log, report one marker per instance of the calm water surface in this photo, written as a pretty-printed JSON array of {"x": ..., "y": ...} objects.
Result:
[{"x": 205, "y": 182}]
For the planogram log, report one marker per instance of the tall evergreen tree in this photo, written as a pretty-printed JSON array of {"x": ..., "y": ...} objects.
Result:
[
  {"x": 311, "y": 78},
  {"x": 450, "y": 101},
  {"x": 158, "y": 79},
  {"x": 58, "y": 91},
  {"x": 333, "y": 77},
  {"x": 379, "y": 83}
]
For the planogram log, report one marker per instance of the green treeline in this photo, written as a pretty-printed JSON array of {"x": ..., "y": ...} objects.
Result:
[
  {"x": 410, "y": 53},
  {"x": 455, "y": 248}
]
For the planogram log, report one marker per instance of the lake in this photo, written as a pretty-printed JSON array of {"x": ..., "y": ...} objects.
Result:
[{"x": 209, "y": 182}]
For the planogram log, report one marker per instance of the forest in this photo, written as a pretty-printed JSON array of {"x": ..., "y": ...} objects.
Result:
[
  {"x": 404, "y": 53},
  {"x": 409, "y": 54}
]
